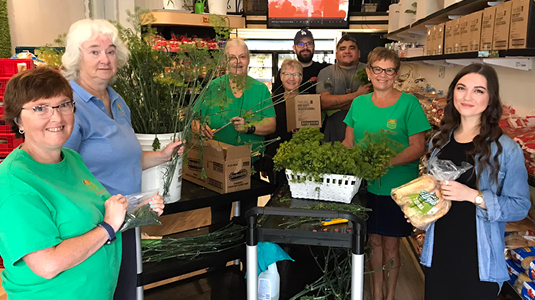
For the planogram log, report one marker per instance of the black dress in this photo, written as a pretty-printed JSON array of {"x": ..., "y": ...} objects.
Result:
[{"x": 454, "y": 273}]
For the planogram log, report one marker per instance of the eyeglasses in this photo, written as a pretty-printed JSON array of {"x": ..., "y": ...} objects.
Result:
[
  {"x": 46, "y": 111},
  {"x": 292, "y": 74},
  {"x": 388, "y": 71},
  {"x": 303, "y": 45}
]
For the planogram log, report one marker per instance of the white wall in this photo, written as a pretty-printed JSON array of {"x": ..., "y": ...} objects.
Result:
[
  {"x": 517, "y": 88},
  {"x": 39, "y": 22}
]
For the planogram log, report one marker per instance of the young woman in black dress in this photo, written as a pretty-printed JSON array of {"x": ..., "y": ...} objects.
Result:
[{"x": 463, "y": 250}]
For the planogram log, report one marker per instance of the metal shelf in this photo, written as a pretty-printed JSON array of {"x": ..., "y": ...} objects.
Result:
[{"x": 520, "y": 59}]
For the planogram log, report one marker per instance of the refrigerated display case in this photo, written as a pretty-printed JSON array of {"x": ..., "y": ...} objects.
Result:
[{"x": 268, "y": 53}]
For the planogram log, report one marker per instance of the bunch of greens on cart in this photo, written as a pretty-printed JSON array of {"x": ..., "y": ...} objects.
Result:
[{"x": 307, "y": 153}]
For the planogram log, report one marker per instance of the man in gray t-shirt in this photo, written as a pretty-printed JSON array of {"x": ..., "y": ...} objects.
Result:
[{"x": 341, "y": 89}]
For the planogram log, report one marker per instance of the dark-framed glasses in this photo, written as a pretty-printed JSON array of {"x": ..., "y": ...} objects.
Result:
[
  {"x": 46, "y": 111},
  {"x": 388, "y": 71},
  {"x": 292, "y": 74},
  {"x": 303, "y": 45}
]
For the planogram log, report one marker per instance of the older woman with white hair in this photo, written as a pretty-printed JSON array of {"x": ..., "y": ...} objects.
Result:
[
  {"x": 228, "y": 99},
  {"x": 241, "y": 93},
  {"x": 102, "y": 132}
]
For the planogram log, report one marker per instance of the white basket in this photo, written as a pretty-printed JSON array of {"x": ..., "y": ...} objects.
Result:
[{"x": 334, "y": 187}]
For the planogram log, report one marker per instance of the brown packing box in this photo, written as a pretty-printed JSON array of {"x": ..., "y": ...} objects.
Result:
[
  {"x": 522, "y": 24},
  {"x": 303, "y": 111},
  {"x": 228, "y": 168},
  {"x": 456, "y": 36},
  {"x": 439, "y": 38},
  {"x": 448, "y": 37},
  {"x": 487, "y": 28},
  {"x": 464, "y": 30},
  {"x": 429, "y": 44},
  {"x": 474, "y": 24},
  {"x": 502, "y": 21}
]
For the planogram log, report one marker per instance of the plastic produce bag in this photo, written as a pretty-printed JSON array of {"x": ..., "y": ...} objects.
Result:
[
  {"x": 138, "y": 216},
  {"x": 421, "y": 200}
]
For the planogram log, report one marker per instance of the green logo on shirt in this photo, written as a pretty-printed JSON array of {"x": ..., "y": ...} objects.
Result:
[{"x": 392, "y": 124}]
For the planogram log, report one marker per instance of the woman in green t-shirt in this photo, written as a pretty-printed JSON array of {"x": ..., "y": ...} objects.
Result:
[
  {"x": 58, "y": 224},
  {"x": 403, "y": 118}
]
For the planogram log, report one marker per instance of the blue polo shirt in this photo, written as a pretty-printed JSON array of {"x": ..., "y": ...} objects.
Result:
[{"x": 108, "y": 145}]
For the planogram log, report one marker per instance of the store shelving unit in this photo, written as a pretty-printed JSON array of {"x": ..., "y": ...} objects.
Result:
[
  {"x": 419, "y": 28},
  {"x": 163, "y": 17}
]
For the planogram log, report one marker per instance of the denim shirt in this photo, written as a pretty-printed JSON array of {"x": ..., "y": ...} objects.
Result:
[{"x": 506, "y": 202}]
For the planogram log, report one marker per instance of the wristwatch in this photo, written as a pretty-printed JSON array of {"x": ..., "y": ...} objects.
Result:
[
  {"x": 109, "y": 230},
  {"x": 479, "y": 198}
]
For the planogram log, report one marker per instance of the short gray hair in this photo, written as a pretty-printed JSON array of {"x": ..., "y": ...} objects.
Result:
[
  {"x": 82, "y": 31},
  {"x": 237, "y": 42}
]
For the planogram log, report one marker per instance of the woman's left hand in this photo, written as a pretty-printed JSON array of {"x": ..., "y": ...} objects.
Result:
[
  {"x": 455, "y": 191},
  {"x": 155, "y": 202},
  {"x": 239, "y": 124},
  {"x": 167, "y": 152}
]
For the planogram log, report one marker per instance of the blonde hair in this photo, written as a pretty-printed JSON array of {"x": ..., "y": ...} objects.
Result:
[
  {"x": 292, "y": 64},
  {"x": 82, "y": 31}
]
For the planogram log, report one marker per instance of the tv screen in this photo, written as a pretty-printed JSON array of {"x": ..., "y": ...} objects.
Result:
[{"x": 308, "y": 13}]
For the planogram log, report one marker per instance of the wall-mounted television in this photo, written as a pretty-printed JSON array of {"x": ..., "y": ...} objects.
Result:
[{"x": 308, "y": 13}]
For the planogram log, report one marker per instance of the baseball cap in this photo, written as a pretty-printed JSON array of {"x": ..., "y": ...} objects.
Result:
[{"x": 301, "y": 34}]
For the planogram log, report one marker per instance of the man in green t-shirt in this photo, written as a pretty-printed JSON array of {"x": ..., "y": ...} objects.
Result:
[{"x": 238, "y": 109}]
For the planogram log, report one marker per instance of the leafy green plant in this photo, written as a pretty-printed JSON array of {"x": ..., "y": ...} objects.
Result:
[
  {"x": 5, "y": 37},
  {"x": 413, "y": 10},
  {"x": 307, "y": 153}
]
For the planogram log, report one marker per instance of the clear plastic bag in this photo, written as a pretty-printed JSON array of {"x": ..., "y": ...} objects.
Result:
[
  {"x": 138, "y": 216},
  {"x": 446, "y": 169},
  {"x": 421, "y": 199}
]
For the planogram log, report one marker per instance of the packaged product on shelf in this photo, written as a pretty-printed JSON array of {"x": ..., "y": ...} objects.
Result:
[
  {"x": 526, "y": 227},
  {"x": 515, "y": 241},
  {"x": 513, "y": 270},
  {"x": 519, "y": 254},
  {"x": 528, "y": 290}
]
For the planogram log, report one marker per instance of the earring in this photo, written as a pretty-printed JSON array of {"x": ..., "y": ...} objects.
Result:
[
  {"x": 21, "y": 131},
  {"x": 369, "y": 79}
]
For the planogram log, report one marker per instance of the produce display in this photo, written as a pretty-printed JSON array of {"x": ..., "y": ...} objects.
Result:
[{"x": 174, "y": 44}]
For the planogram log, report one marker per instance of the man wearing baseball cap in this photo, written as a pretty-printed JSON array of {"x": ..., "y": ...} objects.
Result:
[{"x": 304, "y": 49}]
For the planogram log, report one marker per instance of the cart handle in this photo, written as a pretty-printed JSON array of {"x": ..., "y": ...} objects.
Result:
[{"x": 359, "y": 224}]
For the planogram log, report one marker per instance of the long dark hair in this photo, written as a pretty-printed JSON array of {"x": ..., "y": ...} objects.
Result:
[{"x": 489, "y": 131}]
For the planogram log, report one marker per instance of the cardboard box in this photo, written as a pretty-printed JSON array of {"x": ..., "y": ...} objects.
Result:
[
  {"x": 439, "y": 39},
  {"x": 227, "y": 167},
  {"x": 456, "y": 36},
  {"x": 448, "y": 37},
  {"x": 475, "y": 31},
  {"x": 500, "y": 40},
  {"x": 429, "y": 43},
  {"x": 522, "y": 24},
  {"x": 487, "y": 28},
  {"x": 464, "y": 30},
  {"x": 303, "y": 111}
]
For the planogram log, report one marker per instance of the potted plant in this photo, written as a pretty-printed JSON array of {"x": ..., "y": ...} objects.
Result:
[
  {"x": 161, "y": 88},
  {"x": 330, "y": 171}
]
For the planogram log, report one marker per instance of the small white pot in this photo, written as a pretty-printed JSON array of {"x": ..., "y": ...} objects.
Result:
[
  {"x": 173, "y": 4},
  {"x": 217, "y": 7},
  {"x": 154, "y": 177}
]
